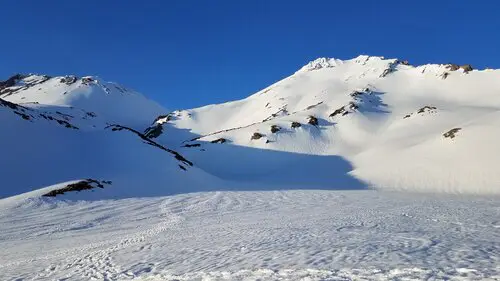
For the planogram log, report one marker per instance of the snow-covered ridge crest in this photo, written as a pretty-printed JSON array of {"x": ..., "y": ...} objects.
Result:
[
  {"x": 116, "y": 103},
  {"x": 324, "y": 62},
  {"x": 320, "y": 63}
]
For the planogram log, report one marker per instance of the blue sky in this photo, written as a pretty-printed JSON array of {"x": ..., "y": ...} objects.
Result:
[{"x": 191, "y": 53}]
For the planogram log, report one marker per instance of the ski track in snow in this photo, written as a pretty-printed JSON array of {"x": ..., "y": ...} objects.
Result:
[{"x": 274, "y": 235}]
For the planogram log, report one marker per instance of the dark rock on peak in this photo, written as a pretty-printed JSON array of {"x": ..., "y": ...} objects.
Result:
[
  {"x": 452, "y": 67},
  {"x": 11, "y": 81},
  {"x": 87, "y": 80},
  {"x": 467, "y": 67},
  {"x": 68, "y": 80}
]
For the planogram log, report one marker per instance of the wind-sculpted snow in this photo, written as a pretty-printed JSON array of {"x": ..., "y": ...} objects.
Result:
[{"x": 278, "y": 235}]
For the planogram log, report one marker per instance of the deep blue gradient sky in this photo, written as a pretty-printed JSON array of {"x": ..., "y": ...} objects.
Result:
[{"x": 191, "y": 53}]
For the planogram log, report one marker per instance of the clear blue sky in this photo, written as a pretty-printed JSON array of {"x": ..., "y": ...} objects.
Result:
[{"x": 191, "y": 53}]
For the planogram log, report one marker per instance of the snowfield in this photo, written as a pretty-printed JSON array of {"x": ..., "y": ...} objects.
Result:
[
  {"x": 361, "y": 169},
  {"x": 271, "y": 235}
]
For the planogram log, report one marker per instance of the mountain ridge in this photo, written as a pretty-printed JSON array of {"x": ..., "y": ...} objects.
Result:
[{"x": 367, "y": 122}]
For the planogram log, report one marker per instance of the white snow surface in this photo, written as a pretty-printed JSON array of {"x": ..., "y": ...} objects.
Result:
[
  {"x": 142, "y": 193},
  {"x": 267, "y": 235}
]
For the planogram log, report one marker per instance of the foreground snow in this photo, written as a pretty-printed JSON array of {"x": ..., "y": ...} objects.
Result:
[{"x": 272, "y": 235}]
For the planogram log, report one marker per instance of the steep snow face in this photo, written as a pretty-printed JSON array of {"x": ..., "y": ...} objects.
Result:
[
  {"x": 43, "y": 145},
  {"x": 113, "y": 102},
  {"x": 379, "y": 120}
]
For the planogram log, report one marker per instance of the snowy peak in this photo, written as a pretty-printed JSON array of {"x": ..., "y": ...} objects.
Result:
[
  {"x": 114, "y": 102},
  {"x": 320, "y": 63},
  {"x": 324, "y": 62}
]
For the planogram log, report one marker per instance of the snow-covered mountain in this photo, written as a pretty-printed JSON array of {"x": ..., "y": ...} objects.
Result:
[
  {"x": 83, "y": 132},
  {"x": 382, "y": 121},
  {"x": 220, "y": 192},
  {"x": 333, "y": 124}
]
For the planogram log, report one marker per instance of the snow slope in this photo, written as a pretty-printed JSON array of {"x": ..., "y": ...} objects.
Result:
[
  {"x": 280, "y": 235},
  {"x": 104, "y": 184},
  {"x": 380, "y": 122},
  {"x": 51, "y": 141}
]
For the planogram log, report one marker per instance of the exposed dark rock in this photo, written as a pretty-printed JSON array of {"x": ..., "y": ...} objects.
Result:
[
  {"x": 68, "y": 80},
  {"x": 390, "y": 69},
  {"x": 66, "y": 124},
  {"x": 451, "y": 133},
  {"x": 9, "y": 104},
  {"x": 313, "y": 106},
  {"x": 192, "y": 145},
  {"x": 154, "y": 131},
  {"x": 295, "y": 125},
  {"x": 256, "y": 136},
  {"x": 182, "y": 168},
  {"x": 452, "y": 67},
  {"x": 151, "y": 142},
  {"x": 219, "y": 140},
  {"x": 23, "y": 115},
  {"x": 78, "y": 186},
  {"x": 5, "y": 89},
  {"x": 407, "y": 116},
  {"x": 275, "y": 129},
  {"x": 341, "y": 111},
  {"x": 312, "y": 120},
  {"x": 426, "y": 108},
  {"x": 445, "y": 75},
  {"x": 65, "y": 116},
  {"x": 11, "y": 81},
  {"x": 467, "y": 67},
  {"x": 281, "y": 112},
  {"x": 356, "y": 93},
  {"x": 344, "y": 109},
  {"x": 91, "y": 114},
  {"x": 353, "y": 106},
  {"x": 87, "y": 80},
  {"x": 404, "y": 62}
]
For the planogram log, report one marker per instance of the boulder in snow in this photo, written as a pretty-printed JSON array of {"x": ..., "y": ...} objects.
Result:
[
  {"x": 219, "y": 140},
  {"x": 312, "y": 120},
  {"x": 256, "y": 136},
  {"x": 451, "y": 133}
]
